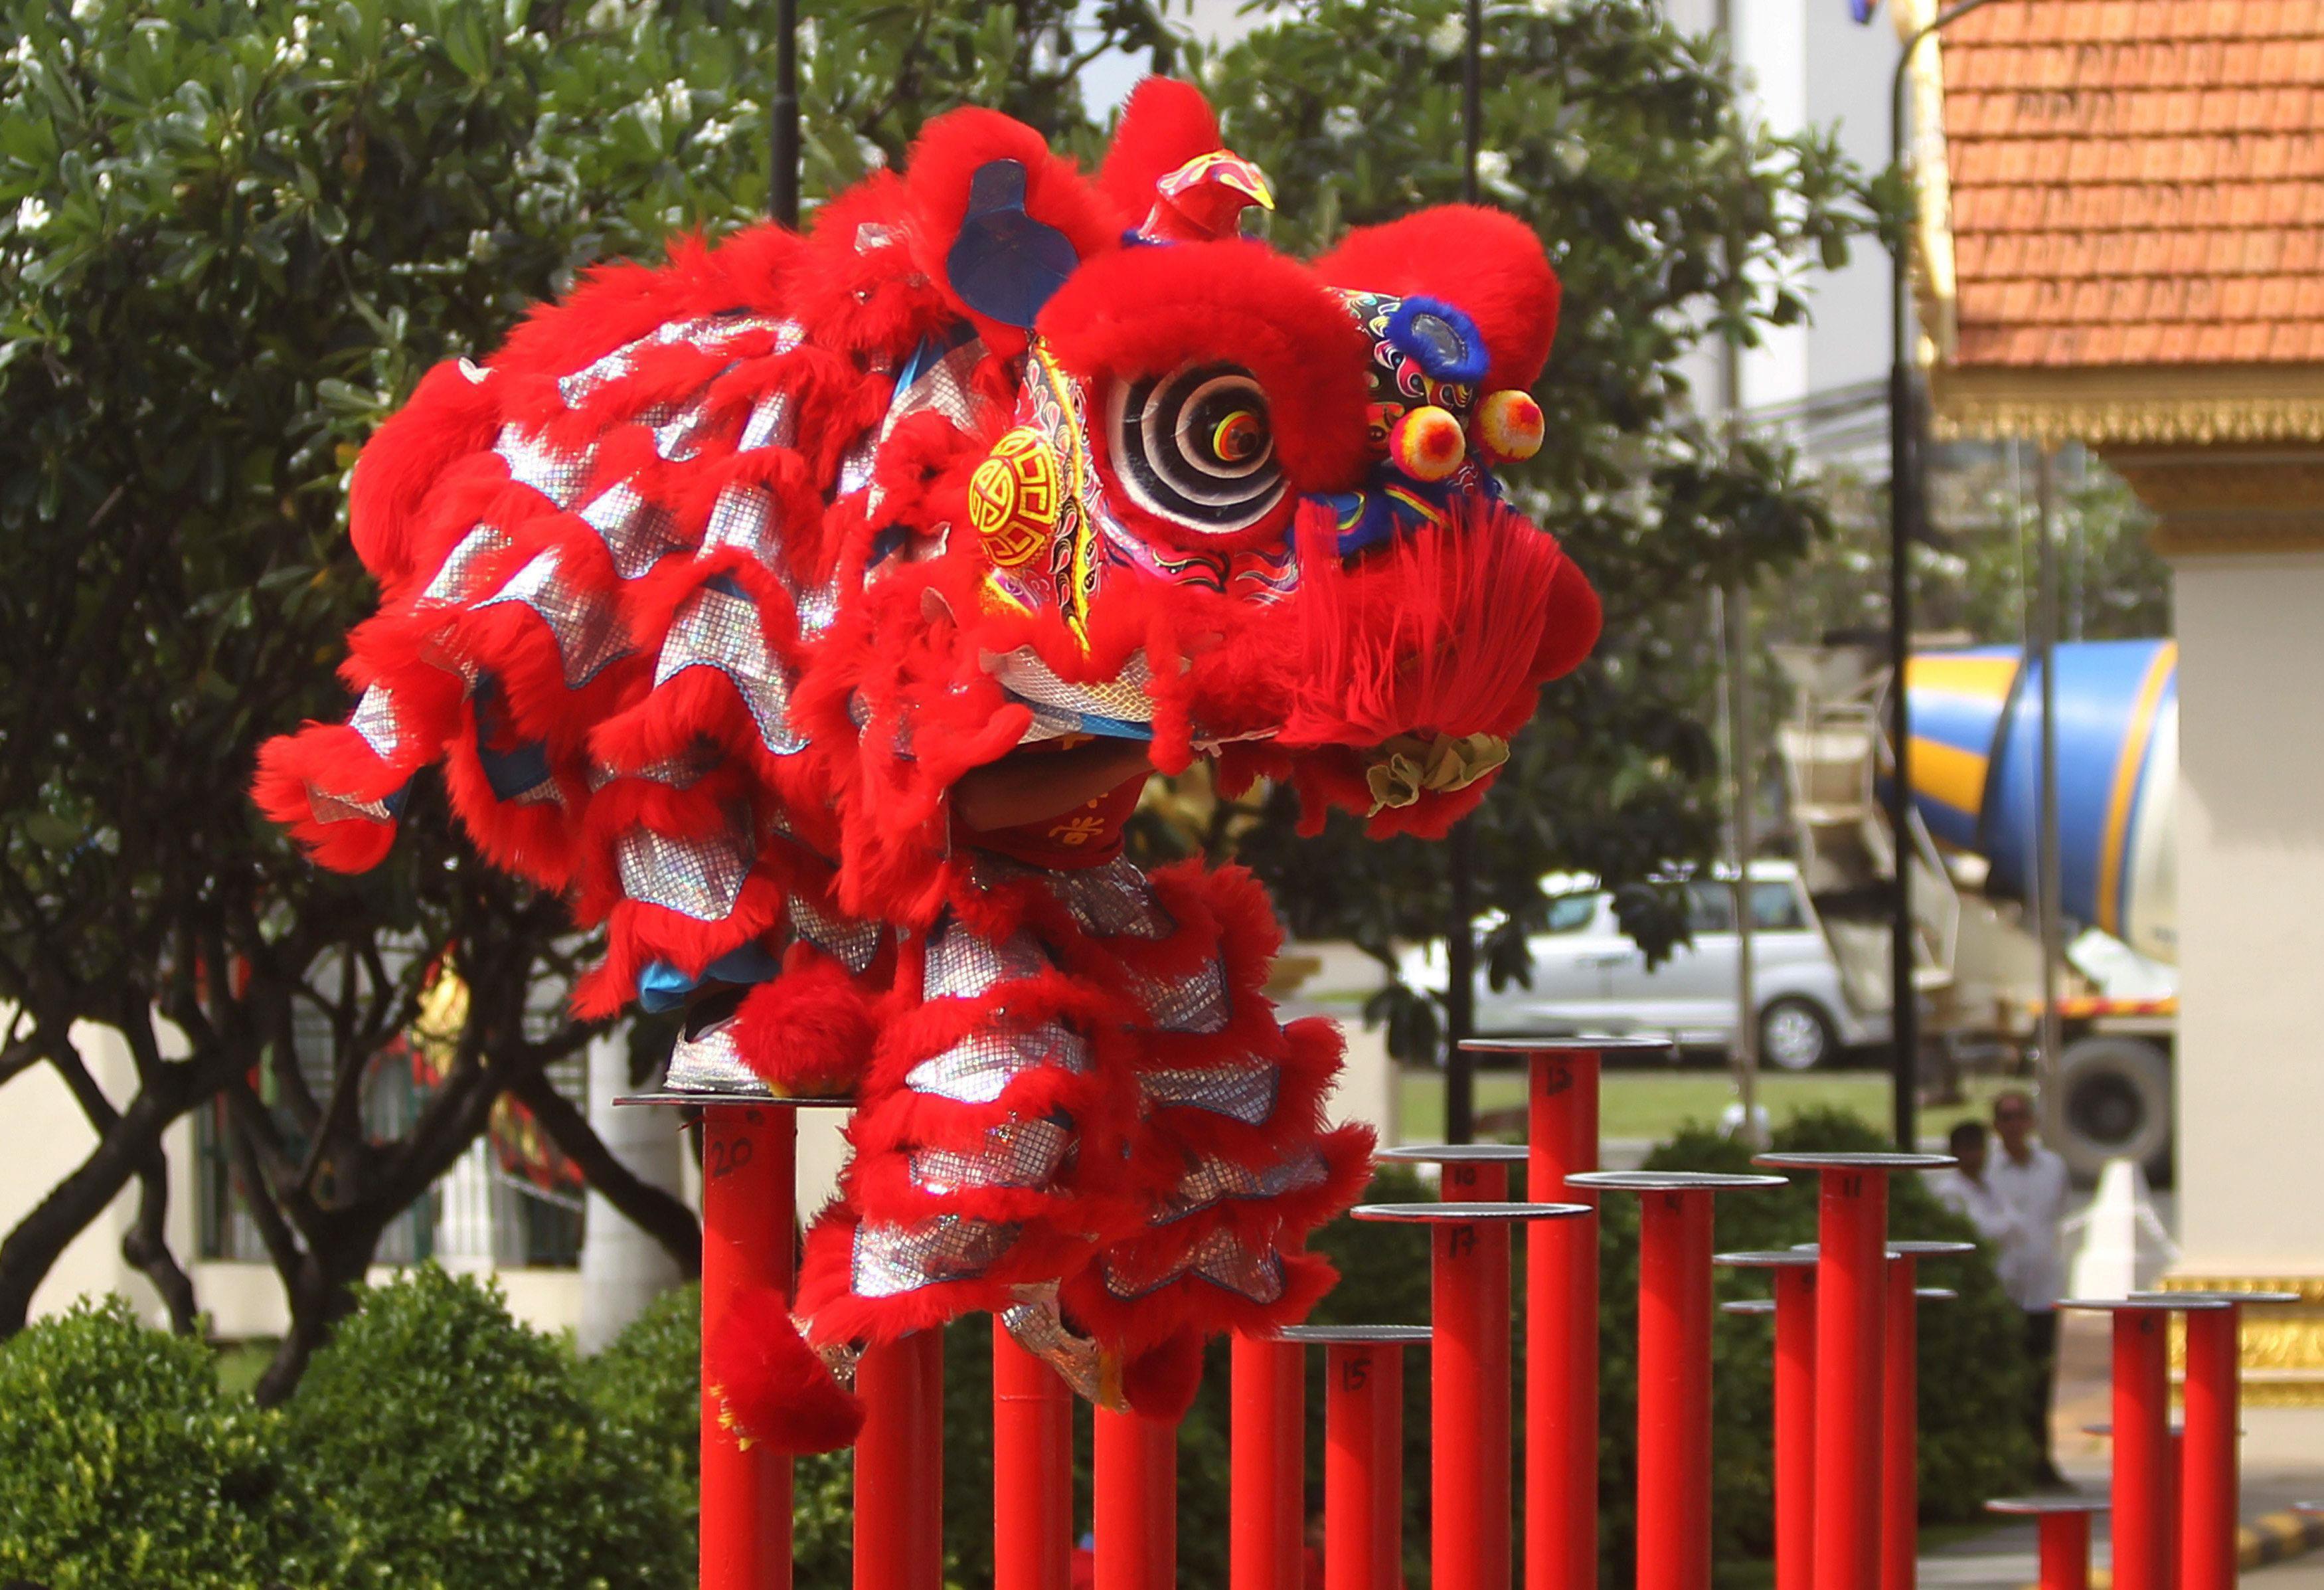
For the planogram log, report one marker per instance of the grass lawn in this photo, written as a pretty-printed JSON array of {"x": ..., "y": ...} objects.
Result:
[{"x": 1654, "y": 1103}]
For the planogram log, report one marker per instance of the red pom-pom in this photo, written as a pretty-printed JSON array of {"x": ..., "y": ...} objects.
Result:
[
  {"x": 1161, "y": 1382},
  {"x": 1427, "y": 444},
  {"x": 1509, "y": 427},
  {"x": 809, "y": 1031},
  {"x": 769, "y": 1385}
]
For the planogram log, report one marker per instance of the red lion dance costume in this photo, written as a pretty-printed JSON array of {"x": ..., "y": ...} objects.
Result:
[{"x": 811, "y": 612}]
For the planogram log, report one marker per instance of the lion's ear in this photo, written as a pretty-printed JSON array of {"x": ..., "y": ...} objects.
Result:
[
  {"x": 1485, "y": 263},
  {"x": 999, "y": 221}
]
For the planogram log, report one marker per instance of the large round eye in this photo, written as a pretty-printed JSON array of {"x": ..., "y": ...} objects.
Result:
[{"x": 1193, "y": 447}]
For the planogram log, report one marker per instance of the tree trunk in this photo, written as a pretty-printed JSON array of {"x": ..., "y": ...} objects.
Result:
[
  {"x": 147, "y": 1244},
  {"x": 33, "y": 1248},
  {"x": 321, "y": 1291}
]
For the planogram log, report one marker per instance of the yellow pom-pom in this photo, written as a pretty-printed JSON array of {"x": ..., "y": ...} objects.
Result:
[
  {"x": 1509, "y": 427},
  {"x": 1427, "y": 444}
]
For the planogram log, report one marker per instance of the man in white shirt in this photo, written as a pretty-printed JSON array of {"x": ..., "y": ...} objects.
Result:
[{"x": 2015, "y": 1200}]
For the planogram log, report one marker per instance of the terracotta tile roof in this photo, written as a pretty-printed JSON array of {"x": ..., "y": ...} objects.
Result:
[{"x": 2136, "y": 182}]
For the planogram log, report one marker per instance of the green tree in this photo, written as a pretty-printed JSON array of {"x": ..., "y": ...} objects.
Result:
[
  {"x": 1671, "y": 220},
  {"x": 233, "y": 234},
  {"x": 1975, "y": 577}
]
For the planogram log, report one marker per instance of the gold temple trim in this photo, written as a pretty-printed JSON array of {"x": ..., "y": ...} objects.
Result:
[
  {"x": 2280, "y": 1345},
  {"x": 2133, "y": 404}
]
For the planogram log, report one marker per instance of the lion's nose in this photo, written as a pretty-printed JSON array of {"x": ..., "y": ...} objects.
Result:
[{"x": 1426, "y": 444}]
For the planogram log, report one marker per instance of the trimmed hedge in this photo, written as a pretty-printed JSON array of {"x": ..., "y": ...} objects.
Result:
[
  {"x": 450, "y": 1449},
  {"x": 122, "y": 1464}
]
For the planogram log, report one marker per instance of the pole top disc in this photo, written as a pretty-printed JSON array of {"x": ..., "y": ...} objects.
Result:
[
  {"x": 2223, "y": 1296},
  {"x": 1645, "y": 1182},
  {"x": 1350, "y": 1336},
  {"x": 1455, "y": 1153},
  {"x": 1466, "y": 1214},
  {"x": 1766, "y": 1258},
  {"x": 1577, "y": 1043},
  {"x": 1935, "y": 1294},
  {"x": 2036, "y": 1505},
  {"x": 1748, "y": 1306},
  {"x": 733, "y": 1101},
  {"x": 2177, "y": 1302},
  {"x": 1883, "y": 1160},
  {"x": 1927, "y": 1248}
]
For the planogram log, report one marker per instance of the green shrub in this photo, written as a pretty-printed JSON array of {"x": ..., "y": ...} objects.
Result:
[
  {"x": 122, "y": 1466},
  {"x": 450, "y": 1449}
]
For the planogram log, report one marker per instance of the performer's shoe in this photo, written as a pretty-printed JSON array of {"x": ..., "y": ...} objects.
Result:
[{"x": 1039, "y": 1327}]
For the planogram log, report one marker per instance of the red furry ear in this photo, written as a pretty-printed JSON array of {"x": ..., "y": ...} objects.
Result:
[
  {"x": 1166, "y": 123},
  {"x": 944, "y": 193},
  {"x": 1485, "y": 263}
]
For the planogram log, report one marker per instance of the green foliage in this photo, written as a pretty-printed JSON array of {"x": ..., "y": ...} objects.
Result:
[
  {"x": 1671, "y": 221},
  {"x": 1977, "y": 575},
  {"x": 122, "y": 1464},
  {"x": 448, "y": 1447}
]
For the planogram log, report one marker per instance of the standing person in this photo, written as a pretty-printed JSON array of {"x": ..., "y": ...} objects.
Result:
[
  {"x": 2028, "y": 1183},
  {"x": 1963, "y": 1188}
]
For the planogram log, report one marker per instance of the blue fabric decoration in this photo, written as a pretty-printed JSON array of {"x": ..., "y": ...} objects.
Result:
[
  {"x": 1391, "y": 504},
  {"x": 1005, "y": 265},
  {"x": 514, "y": 771},
  {"x": 1862, "y": 9},
  {"x": 1444, "y": 341},
  {"x": 663, "y": 987}
]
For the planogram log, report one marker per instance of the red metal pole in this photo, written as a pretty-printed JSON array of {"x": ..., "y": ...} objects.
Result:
[
  {"x": 1363, "y": 1466},
  {"x": 1267, "y": 1462},
  {"x": 1032, "y": 1471},
  {"x": 1851, "y": 1296},
  {"x": 2065, "y": 1562},
  {"x": 1469, "y": 1407},
  {"x": 898, "y": 1465},
  {"x": 1675, "y": 1391},
  {"x": 1852, "y": 1215},
  {"x": 1561, "y": 1389},
  {"x": 2142, "y": 1413},
  {"x": 1137, "y": 1483},
  {"x": 2209, "y": 1477},
  {"x": 1471, "y": 1181},
  {"x": 1795, "y": 1323},
  {"x": 748, "y": 1208},
  {"x": 1900, "y": 1491}
]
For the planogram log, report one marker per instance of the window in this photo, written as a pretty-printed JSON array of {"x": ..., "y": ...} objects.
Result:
[
  {"x": 1775, "y": 908},
  {"x": 1571, "y": 913},
  {"x": 1710, "y": 908}
]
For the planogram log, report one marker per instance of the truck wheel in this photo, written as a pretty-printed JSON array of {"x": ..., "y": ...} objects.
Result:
[
  {"x": 2115, "y": 1104},
  {"x": 1794, "y": 1035}
]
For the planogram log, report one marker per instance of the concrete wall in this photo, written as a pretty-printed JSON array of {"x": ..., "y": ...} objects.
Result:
[{"x": 2251, "y": 903}]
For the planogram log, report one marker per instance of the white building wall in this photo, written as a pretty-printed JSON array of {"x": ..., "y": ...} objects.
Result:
[{"x": 2251, "y": 834}]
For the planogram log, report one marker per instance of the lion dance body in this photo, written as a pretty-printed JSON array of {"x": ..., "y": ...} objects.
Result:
[{"x": 810, "y": 612}]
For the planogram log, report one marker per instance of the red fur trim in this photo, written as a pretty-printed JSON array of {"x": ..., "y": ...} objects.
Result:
[
  {"x": 449, "y": 416},
  {"x": 1161, "y": 1382},
  {"x": 768, "y": 1385},
  {"x": 1164, "y": 125},
  {"x": 1145, "y": 311},
  {"x": 809, "y": 1031},
  {"x": 1483, "y": 262},
  {"x": 334, "y": 759},
  {"x": 936, "y": 179}
]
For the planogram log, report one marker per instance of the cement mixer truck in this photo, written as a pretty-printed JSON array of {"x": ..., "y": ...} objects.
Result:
[{"x": 1972, "y": 850}]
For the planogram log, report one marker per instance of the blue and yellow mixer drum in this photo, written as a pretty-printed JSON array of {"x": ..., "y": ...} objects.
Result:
[{"x": 1976, "y": 774}]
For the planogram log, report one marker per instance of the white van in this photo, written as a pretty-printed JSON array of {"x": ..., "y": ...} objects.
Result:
[{"x": 1588, "y": 975}]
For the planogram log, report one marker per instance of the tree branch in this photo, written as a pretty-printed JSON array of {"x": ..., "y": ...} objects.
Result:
[{"x": 650, "y": 1209}]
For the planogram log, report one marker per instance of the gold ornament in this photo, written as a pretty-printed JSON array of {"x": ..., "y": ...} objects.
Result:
[{"x": 1013, "y": 498}]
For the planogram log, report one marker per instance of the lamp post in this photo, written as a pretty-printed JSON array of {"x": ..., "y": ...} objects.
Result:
[
  {"x": 1904, "y": 524},
  {"x": 782, "y": 119}
]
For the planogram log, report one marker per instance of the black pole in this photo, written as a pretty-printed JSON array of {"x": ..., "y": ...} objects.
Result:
[
  {"x": 1461, "y": 848},
  {"x": 783, "y": 118},
  {"x": 1906, "y": 508}
]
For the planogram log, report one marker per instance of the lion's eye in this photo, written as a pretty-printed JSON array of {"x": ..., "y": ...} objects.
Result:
[{"x": 1194, "y": 446}]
